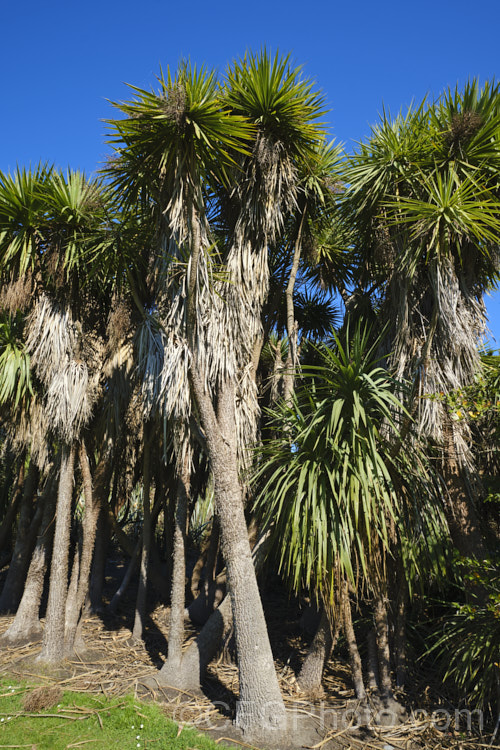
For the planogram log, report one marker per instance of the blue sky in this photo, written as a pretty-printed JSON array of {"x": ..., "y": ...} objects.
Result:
[{"x": 60, "y": 62}]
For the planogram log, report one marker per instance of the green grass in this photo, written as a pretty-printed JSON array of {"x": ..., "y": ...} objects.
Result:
[{"x": 91, "y": 722}]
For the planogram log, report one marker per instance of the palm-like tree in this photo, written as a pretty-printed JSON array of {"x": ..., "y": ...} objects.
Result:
[
  {"x": 424, "y": 195},
  {"x": 48, "y": 222},
  {"x": 176, "y": 148},
  {"x": 332, "y": 492}
]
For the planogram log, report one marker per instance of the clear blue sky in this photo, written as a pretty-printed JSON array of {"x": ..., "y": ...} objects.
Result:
[{"x": 61, "y": 61}]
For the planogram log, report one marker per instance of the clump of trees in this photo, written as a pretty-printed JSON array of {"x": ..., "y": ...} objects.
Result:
[{"x": 170, "y": 335}]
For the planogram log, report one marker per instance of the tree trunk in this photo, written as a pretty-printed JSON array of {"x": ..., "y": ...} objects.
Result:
[
  {"x": 8, "y": 520},
  {"x": 26, "y": 625},
  {"x": 155, "y": 575},
  {"x": 25, "y": 536},
  {"x": 73, "y": 584},
  {"x": 53, "y": 637},
  {"x": 355, "y": 659},
  {"x": 208, "y": 599},
  {"x": 373, "y": 676},
  {"x": 311, "y": 673},
  {"x": 260, "y": 706},
  {"x": 140, "y": 606},
  {"x": 132, "y": 565},
  {"x": 90, "y": 517},
  {"x": 177, "y": 600},
  {"x": 382, "y": 636},
  {"x": 209, "y": 640},
  {"x": 97, "y": 576},
  {"x": 291, "y": 325},
  {"x": 400, "y": 628}
]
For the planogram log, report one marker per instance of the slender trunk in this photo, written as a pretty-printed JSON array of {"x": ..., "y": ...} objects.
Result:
[
  {"x": 177, "y": 601},
  {"x": 6, "y": 526},
  {"x": 73, "y": 587},
  {"x": 53, "y": 636},
  {"x": 103, "y": 476},
  {"x": 209, "y": 640},
  {"x": 27, "y": 530},
  {"x": 97, "y": 576},
  {"x": 400, "y": 628},
  {"x": 383, "y": 650},
  {"x": 26, "y": 625},
  {"x": 208, "y": 599},
  {"x": 354, "y": 657},
  {"x": 213, "y": 590},
  {"x": 140, "y": 605},
  {"x": 213, "y": 552},
  {"x": 197, "y": 571},
  {"x": 133, "y": 549},
  {"x": 91, "y": 514},
  {"x": 132, "y": 565},
  {"x": 260, "y": 704},
  {"x": 311, "y": 673},
  {"x": 169, "y": 527},
  {"x": 373, "y": 676},
  {"x": 291, "y": 325}
]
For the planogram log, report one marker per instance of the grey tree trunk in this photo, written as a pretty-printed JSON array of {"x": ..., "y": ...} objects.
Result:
[
  {"x": 354, "y": 657},
  {"x": 53, "y": 637},
  {"x": 172, "y": 666},
  {"x": 311, "y": 673},
  {"x": 26, "y": 625},
  {"x": 73, "y": 582},
  {"x": 260, "y": 708},
  {"x": 25, "y": 536},
  {"x": 382, "y": 637},
  {"x": 91, "y": 514},
  {"x": 140, "y": 606}
]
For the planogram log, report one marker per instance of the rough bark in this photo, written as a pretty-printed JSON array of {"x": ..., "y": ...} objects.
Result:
[
  {"x": 177, "y": 599},
  {"x": 400, "y": 630},
  {"x": 140, "y": 605},
  {"x": 53, "y": 637},
  {"x": 91, "y": 513},
  {"x": 27, "y": 530},
  {"x": 73, "y": 586},
  {"x": 260, "y": 705},
  {"x": 383, "y": 650},
  {"x": 354, "y": 657},
  {"x": 26, "y": 625},
  {"x": 202, "y": 650},
  {"x": 97, "y": 575},
  {"x": 311, "y": 673}
]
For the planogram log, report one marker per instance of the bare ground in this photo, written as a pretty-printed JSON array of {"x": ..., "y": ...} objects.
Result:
[{"x": 113, "y": 665}]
